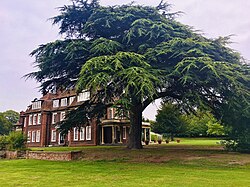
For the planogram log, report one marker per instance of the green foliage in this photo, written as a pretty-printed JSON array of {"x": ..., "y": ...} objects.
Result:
[
  {"x": 16, "y": 140},
  {"x": 3, "y": 142},
  {"x": 153, "y": 137},
  {"x": 237, "y": 118},
  {"x": 5, "y": 125},
  {"x": 7, "y": 120},
  {"x": 13, "y": 141},
  {"x": 11, "y": 115},
  {"x": 128, "y": 70},
  {"x": 215, "y": 129},
  {"x": 168, "y": 120},
  {"x": 202, "y": 124}
]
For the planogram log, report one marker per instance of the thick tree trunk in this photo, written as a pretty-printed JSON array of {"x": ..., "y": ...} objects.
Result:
[{"x": 135, "y": 131}]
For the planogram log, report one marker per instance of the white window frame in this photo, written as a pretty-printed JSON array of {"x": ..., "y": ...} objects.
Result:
[
  {"x": 110, "y": 113},
  {"x": 34, "y": 119},
  {"x": 64, "y": 102},
  {"x": 69, "y": 137},
  {"x": 28, "y": 136},
  {"x": 88, "y": 133},
  {"x": 30, "y": 119},
  {"x": 33, "y": 136},
  {"x": 124, "y": 132},
  {"x": 33, "y": 106},
  {"x": 36, "y": 105},
  {"x": 55, "y": 103},
  {"x": 75, "y": 130},
  {"x": 82, "y": 133},
  {"x": 39, "y": 119},
  {"x": 38, "y": 135},
  {"x": 71, "y": 99},
  {"x": 83, "y": 96},
  {"x": 53, "y": 135},
  {"x": 39, "y": 104},
  {"x": 62, "y": 116},
  {"x": 54, "y": 115},
  {"x": 24, "y": 121}
]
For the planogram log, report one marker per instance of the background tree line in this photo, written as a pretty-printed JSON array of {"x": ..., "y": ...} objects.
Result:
[{"x": 173, "y": 122}]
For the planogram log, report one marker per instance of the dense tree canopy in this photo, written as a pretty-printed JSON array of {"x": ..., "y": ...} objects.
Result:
[
  {"x": 7, "y": 120},
  {"x": 169, "y": 119},
  {"x": 131, "y": 55},
  {"x": 202, "y": 123},
  {"x": 172, "y": 121}
]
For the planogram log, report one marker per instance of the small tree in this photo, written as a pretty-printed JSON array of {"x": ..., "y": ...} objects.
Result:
[
  {"x": 169, "y": 120},
  {"x": 215, "y": 129}
]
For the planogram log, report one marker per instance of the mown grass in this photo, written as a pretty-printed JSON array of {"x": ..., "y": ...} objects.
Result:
[
  {"x": 115, "y": 173},
  {"x": 155, "y": 165},
  {"x": 184, "y": 141}
]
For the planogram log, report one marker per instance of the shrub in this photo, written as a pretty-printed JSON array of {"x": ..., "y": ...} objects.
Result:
[
  {"x": 16, "y": 140},
  {"x": 229, "y": 145},
  {"x": 243, "y": 147},
  {"x": 3, "y": 142},
  {"x": 153, "y": 137}
]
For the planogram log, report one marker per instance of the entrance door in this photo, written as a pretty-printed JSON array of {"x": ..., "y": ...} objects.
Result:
[
  {"x": 107, "y": 134},
  {"x": 61, "y": 139},
  {"x": 118, "y": 135}
]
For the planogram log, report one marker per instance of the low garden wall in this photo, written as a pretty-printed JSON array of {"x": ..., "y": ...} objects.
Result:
[
  {"x": 15, "y": 154},
  {"x": 2, "y": 154},
  {"x": 54, "y": 155}
]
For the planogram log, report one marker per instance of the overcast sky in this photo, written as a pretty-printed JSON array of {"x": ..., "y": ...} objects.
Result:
[{"x": 24, "y": 26}]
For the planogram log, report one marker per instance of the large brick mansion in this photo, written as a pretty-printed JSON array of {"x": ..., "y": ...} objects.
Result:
[{"x": 39, "y": 123}]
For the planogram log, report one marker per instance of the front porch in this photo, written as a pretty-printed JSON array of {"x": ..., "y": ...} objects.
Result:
[{"x": 115, "y": 132}]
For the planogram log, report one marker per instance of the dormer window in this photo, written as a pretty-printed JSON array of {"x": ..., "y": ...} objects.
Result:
[
  {"x": 83, "y": 96},
  {"x": 36, "y": 105},
  {"x": 55, "y": 103},
  {"x": 64, "y": 102}
]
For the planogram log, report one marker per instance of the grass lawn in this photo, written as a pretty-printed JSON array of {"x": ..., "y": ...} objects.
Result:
[{"x": 190, "y": 163}]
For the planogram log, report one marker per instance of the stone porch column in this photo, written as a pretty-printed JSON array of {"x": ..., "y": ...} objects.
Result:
[
  {"x": 113, "y": 134},
  {"x": 102, "y": 138}
]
